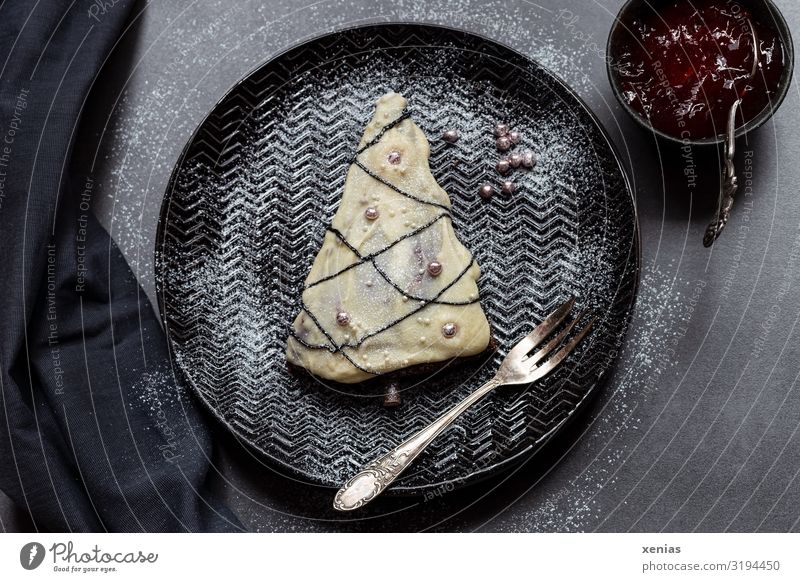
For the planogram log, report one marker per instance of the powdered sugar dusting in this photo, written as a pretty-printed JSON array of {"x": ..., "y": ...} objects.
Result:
[
  {"x": 660, "y": 319},
  {"x": 248, "y": 212}
]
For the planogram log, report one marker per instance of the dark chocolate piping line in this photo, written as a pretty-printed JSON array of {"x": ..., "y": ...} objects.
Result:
[
  {"x": 373, "y": 175},
  {"x": 384, "y": 129},
  {"x": 403, "y": 116},
  {"x": 340, "y": 348},
  {"x": 371, "y": 256},
  {"x": 334, "y": 347},
  {"x": 396, "y": 287}
]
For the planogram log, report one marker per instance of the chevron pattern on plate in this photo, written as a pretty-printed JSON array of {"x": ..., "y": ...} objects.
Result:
[{"x": 250, "y": 199}]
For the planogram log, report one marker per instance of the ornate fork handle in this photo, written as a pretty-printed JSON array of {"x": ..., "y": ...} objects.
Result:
[
  {"x": 382, "y": 472},
  {"x": 521, "y": 366}
]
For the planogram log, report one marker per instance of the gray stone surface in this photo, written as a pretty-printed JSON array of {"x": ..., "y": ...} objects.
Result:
[{"x": 698, "y": 427}]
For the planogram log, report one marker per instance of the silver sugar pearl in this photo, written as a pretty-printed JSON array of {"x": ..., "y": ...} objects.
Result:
[
  {"x": 515, "y": 160},
  {"x": 514, "y": 137},
  {"x": 394, "y": 157},
  {"x": 502, "y": 166},
  {"x": 435, "y": 268},
  {"x": 449, "y": 330},
  {"x": 508, "y": 187},
  {"x": 343, "y": 318},
  {"x": 486, "y": 191},
  {"x": 450, "y": 136},
  {"x": 500, "y": 130},
  {"x": 528, "y": 159},
  {"x": 503, "y": 144},
  {"x": 371, "y": 213}
]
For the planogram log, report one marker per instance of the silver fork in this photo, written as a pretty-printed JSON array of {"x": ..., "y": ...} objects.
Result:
[{"x": 518, "y": 367}]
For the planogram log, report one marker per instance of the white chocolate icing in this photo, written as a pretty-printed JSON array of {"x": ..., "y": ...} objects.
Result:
[{"x": 389, "y": 329}]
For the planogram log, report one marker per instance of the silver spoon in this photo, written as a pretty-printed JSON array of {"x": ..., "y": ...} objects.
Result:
[{"x": 730, "y": 183}]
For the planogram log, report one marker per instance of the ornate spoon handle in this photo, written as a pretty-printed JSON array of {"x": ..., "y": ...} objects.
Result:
[
  {"x": 729, "y": 183},
  {"x": 380, "y": 473}
]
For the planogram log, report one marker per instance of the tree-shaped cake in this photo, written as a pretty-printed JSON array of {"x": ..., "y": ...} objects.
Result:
[{"x": 392, "y": 286}]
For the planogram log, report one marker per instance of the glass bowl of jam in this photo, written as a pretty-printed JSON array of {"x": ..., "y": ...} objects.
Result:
[{"x": 678, "y": 66}]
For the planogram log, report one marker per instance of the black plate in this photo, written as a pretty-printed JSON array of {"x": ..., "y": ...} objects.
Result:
[{"x": 255, "y": 188}]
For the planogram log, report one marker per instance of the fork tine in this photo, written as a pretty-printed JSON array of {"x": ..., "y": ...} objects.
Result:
[
  {"x": 553, "y": 342},
  {"x": 541, "y": 371},
  {"x": 541, "y": 331}
]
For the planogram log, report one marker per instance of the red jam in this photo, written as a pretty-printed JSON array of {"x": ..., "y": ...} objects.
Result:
[{"x": 683, "y": 67}]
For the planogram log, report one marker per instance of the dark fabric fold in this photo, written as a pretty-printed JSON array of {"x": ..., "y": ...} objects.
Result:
[{"x": 95, "y": 432}]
